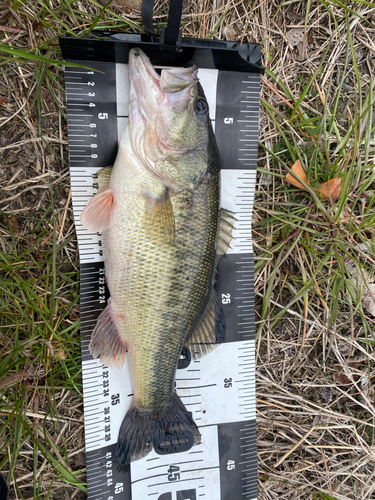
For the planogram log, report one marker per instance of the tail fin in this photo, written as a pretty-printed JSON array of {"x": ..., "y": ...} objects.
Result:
[
  {"x": 4, "y": 492},
  {"x": 170, "y": 429}
]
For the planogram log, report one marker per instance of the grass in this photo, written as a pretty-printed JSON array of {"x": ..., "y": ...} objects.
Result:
[
  {"x": 40, "y": 362},
  {"x": 314, "y": 257},
  {"x": 313, "y": 321}
]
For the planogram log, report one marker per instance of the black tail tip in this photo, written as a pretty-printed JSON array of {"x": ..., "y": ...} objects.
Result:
[
  {"x": 173, "y": 439},
  {"x": 4, "y": 492},
  {"x": 170, "y": 429}
]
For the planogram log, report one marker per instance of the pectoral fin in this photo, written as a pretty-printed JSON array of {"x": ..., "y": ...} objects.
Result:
[
  {"x": 210, "y": 331},
  {"x": 161, "y": 217},
  {"x": 96, "y": 215}
]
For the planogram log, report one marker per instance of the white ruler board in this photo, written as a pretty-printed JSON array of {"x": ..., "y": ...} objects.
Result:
[{"x": 218, "y": 389}]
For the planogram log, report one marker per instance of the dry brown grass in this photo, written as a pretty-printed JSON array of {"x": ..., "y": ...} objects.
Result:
[{"x": 315, "y": 363}]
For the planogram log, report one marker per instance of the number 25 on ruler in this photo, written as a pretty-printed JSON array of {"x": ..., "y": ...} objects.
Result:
[{"x": 225, "y": 298}]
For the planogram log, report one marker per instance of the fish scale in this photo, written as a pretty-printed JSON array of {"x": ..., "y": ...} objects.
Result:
[{"x": 212, "y": 470}]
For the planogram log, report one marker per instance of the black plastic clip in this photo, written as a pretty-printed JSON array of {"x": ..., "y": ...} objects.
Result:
[
  {"x": 168, "y": 43},
  {"x": 171, "y": 36}
]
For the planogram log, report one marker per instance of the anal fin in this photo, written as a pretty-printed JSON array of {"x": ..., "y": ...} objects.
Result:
[
  {"x": 210, "y": 331},
  {"x": 106, "y": 341}
]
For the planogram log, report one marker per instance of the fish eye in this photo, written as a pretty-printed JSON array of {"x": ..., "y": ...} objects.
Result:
[{"x": 201, "y": 106}]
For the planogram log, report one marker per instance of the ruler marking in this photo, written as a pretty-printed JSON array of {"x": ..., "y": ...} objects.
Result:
[
  {"x": 88, "y": 392},
  {"x": 93, "y": 432},
  {"x": 176, "y": 463},
  {"x": 94, "y": 468},
  {"x": 179, "y": 379},
  {"x": 101, "y": 403},
  {"x": 76, "y": 83},
  {"x": 181, "y": 480},
  {"x": 91, "y": 419},
  {"x": 197, "y": 386},
  {"x": 102, "y": 493},
  {"x": 90, "y": 443}
]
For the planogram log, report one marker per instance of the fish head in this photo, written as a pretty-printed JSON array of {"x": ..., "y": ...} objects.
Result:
[{"x": 169, "y": 124}]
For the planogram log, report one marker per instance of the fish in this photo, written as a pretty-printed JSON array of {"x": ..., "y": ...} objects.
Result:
[{"x": 162, "y": 235}]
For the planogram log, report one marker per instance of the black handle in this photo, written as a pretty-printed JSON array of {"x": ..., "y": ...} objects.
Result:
[{"x": 171, "y": 36}]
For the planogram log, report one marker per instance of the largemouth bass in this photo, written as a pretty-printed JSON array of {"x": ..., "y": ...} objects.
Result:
[{"x": 158, "y": 210}]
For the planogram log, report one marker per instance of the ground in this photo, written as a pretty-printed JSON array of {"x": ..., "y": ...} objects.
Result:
[{"x": 314, "y": 278}]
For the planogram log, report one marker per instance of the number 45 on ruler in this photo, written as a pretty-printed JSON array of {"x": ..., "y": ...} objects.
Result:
[{"x": 174, "y": 475}]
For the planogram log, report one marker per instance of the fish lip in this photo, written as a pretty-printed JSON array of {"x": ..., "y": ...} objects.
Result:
[{"x": 138, "y": 57}]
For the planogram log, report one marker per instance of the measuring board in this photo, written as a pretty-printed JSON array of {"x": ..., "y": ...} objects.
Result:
[{"x": 219, "y": 388}]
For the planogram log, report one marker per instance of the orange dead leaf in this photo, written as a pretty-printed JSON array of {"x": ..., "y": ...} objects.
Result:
[
  {"x": 330, "y": 190},
  {"x": 2, "y": 100},
  {"x": 341, "y": 378},
  {"x": 298, "y": 170},
  {"x": 60, "y": 354},
  {"x": 358, "y": 361},
  {"x": 14, "y": 225}
]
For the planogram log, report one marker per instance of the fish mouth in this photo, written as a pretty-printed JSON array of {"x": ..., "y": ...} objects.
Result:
[
  {"x": 151, "y": 95},
  {"x": 171, "y": 80}
]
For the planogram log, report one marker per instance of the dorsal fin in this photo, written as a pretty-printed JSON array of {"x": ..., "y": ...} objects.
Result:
[
  {"x": 161, "y": 217},
  {"x": 104, "y": 177},
  {"x": 224, "y": 232}
]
